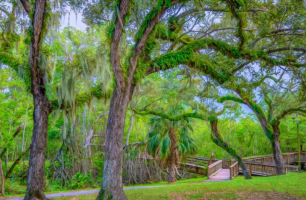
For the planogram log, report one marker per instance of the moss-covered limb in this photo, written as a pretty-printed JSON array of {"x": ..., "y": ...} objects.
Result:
[
  {"x": 81, "y": 99},
  {"x": 15, "y": 63},
  {"x": 261, "y": 117},
  {"x": 255, "y": 108},
  {"x": 245, "y": 99},
  {"x": 217, "y": 139},
  {"x": 171, "y": 118},
  {"x": 230, "y": 97},
  {"x": 250, "y": 103},
  {"x": 234, "y": 5},
  {"x": 116, "y": 30},
  {"x": 270, "y": 108},
  {"x": 288, "y": 112},
  {"x": 152, "y": 17},
  {"x": 144, "y": 32},
  {"x": 262, "y": 79},
  {"x": 203, "y": 65},
  {"x": 10, "y": 60},
  {"x": 186, "y": 55}
]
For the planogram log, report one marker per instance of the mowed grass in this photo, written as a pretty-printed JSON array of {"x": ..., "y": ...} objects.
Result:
[{"x": 290, "y": 186}]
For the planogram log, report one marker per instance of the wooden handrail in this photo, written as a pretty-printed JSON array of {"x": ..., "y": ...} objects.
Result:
[
  {"x": 271, "y": 155},
  {"x": 214, "y": 164},
  {"x": 234, "y": 170},
  {"x": 214, "y": 168},
  {"x": 268, "y": 164}
]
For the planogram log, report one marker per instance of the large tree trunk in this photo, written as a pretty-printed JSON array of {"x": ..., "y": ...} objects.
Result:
[
  {"x": 112, "y": 187},
  {"x": 173, "y": 157},
  {"x": 42, "y": 108},
  {"x": 35, "y": 181},
  {"x": 221, "y": 143},
  {"x": 277, "y": 153}
]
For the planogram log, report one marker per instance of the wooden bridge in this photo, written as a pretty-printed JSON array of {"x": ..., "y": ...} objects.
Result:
[{"x": 229, "y": 169}]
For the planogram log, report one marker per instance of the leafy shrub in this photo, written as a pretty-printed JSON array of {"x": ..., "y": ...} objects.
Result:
[
  {"x": 81, "y": 181},
  {"x": 14, "y": 187}
]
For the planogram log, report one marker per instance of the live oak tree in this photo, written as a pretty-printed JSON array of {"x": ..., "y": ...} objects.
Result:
[
  {"x": 280, "y": 99},
  {"x": 160, "y": 35},
  {"x": 184, "y": 50}
]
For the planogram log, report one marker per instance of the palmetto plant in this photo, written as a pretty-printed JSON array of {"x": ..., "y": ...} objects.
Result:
[{"x": 170, "y": 141}]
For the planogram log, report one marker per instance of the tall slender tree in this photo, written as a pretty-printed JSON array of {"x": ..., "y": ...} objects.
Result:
[{"x": 42, "y": 106}]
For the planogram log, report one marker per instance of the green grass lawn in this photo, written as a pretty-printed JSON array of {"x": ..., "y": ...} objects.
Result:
[{"x": 290, "y": 186}]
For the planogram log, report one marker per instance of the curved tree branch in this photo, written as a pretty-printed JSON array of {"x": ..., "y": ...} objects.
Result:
[{"x": 26, "y": 5}]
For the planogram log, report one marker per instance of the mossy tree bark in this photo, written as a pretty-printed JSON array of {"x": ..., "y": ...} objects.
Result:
[
  {"x": 112, "y": 187},
  {"x": 42, "y": 105},
  {"x": 277, "y": 154},
  {"x": 272, "y": 135},
  {"x": 217, "y": 138},
  {"x": 125, "y": 83}
]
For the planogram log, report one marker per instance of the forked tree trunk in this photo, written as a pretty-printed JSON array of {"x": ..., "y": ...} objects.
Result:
[
  {"x": 112, "y": 187},
  {"x": 221, "y": 143},
  {"x": 42, "y": 108},
  {"x": 277, "y": 153},
  {"x": 173, "y": 157}
]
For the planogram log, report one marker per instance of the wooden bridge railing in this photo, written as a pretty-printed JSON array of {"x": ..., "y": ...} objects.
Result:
[
  {"x": 294, "y": 157},
  {"x": 267, "y": 169},
  {"x": 287, "y": 157},
  {"x": 234, "y": 170},
  {"x": 214, "y": 168},
  {"x": 227, "y": 163},
  {"x": 259, "y": 165},
  {"x": 197, "y": 169}
]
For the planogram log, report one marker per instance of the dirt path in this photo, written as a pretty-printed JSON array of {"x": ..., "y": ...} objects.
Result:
[{"x": 85, "y": 192}]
